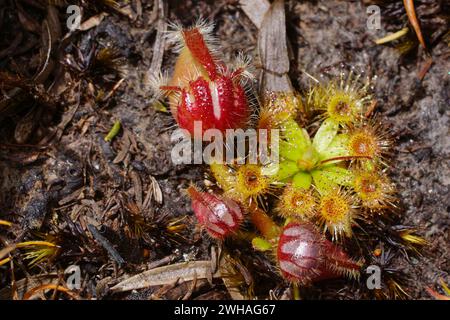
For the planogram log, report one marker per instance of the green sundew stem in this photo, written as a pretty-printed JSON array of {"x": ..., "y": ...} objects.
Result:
[{"x": 113, "y": 132}]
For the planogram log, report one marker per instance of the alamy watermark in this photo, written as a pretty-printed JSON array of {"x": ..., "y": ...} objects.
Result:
[
  {"x": 374, "y": 279},
  {"x": 74, "y": 20},
  {"x": 374, "y": 17},
  {"x": 235, "y": 146},
  {"x": 73, "y": 280}
]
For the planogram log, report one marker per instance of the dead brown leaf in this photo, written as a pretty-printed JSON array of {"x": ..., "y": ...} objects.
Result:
[{"x": 273, "y": 50}]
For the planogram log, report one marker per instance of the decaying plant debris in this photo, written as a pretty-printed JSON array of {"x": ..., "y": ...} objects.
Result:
[{"x": 118, "y": 209}]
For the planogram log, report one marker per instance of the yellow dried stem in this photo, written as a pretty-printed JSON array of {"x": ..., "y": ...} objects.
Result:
[
  {"x": 5, "y": 223},
  {"x": 4, "y": 261}
]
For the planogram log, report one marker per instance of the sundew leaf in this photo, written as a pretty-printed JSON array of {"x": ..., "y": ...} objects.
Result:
[
  {"x": 302, "y": 180},
  {"x": 322, "y": 182},
  {"x": 289, "y": 151},
  {"x": 325, "y": 135},
  {"x": 220, "y": 171},
  {"x": 337, "y": 175},
  {"x": 308, "y": 160},
  {"x": 336, "y": 148},
  {"x": 295, "y": 141},
  {"x": 293, "y": 133},
  {"x": 286, "y": 170}
]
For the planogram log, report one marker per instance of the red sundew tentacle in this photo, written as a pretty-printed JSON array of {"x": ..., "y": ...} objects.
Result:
[
  {"x": 345, "y": 158},
  {"x": 199, "y": 50}
]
